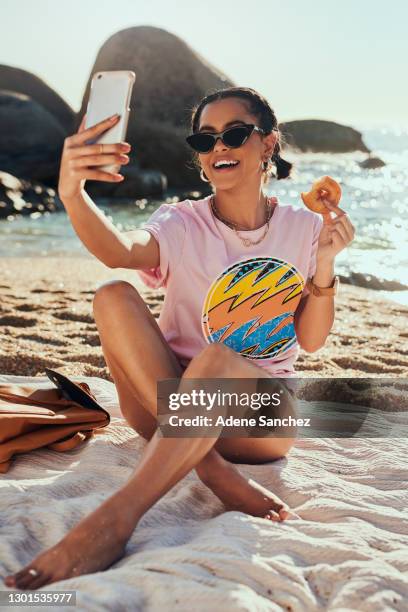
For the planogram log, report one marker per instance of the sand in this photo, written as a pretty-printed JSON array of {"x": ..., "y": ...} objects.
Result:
[{"x": 46, "y": 321}]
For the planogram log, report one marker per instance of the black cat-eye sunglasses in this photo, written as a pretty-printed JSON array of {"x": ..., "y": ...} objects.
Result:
[{"x": 233, "y": 137}]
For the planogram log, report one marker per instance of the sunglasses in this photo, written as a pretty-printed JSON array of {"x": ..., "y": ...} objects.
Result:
[{"x": 233, "y": 137}]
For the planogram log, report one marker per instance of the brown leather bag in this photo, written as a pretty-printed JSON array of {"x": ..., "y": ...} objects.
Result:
[{"x": 57, "y": 418}]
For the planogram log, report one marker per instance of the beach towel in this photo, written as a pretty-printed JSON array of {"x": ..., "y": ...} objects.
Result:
[{"x": 348, "y": 551}]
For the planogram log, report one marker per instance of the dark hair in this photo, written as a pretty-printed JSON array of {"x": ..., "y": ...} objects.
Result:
[{"x": 256, "y": 105}]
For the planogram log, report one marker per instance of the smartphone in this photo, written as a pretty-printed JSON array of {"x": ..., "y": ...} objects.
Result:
[
  {"x": 110, "y": 94},
  {"x": 72, "y": 391}
]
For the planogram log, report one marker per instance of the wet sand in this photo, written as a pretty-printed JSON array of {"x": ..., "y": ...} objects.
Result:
[{"x": 46, "y": 321}]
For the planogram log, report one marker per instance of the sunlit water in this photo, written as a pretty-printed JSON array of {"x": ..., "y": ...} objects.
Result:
[{"x": 376, "y": 200}]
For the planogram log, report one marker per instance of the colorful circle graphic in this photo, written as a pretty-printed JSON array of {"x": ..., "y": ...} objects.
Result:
[{"x": 250, "y": 307}]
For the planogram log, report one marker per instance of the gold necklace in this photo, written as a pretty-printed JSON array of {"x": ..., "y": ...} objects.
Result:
[{"x": 245, "y": 241}]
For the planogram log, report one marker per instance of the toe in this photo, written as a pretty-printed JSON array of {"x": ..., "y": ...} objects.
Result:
[
  {"x": 14, "y": 579},
  {"x": 40, "y": 581},
  {"x": 277, "y": 506},
  {"x": 24, "y": 582},
  {"x": 24, "y": 578},
  {"x": 272, "y": 516},
  {"x": 286, "y": 513},
  {"x": 283, "y": 514}
]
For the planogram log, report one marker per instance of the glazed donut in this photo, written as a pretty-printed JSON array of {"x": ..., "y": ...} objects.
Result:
[{"x": 324, "y": 187}]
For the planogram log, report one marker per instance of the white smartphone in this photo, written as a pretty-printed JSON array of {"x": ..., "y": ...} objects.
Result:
[{"x": 110, "y": 94}]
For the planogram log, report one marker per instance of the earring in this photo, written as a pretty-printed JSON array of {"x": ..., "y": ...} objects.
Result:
[{"x": 203, "y": 176}]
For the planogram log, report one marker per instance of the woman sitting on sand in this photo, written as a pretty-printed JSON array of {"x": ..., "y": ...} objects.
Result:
[{"x": 236, "y": 306}]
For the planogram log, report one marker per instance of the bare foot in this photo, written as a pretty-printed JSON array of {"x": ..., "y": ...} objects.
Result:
[
  {"x": 91, "y": 546},
  {"x": 238, "y": 493}
]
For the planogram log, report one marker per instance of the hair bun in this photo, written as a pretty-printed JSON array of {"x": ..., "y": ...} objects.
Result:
[{"x": 283, "y": 167}]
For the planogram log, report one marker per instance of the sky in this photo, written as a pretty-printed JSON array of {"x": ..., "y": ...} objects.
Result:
[{"x": 343, "y": 61}]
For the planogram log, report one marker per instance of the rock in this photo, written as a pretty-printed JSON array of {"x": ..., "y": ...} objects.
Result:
[
  {"x": 170, "y": 79},
  {"x": 322, "y": 136},
  {"x": 371, "y": 163},
  {"x": 137, "y": 183},
  {"x": 23, "y": 82},
  {"x": 143, "y": 182},
  {"x": 372, "y": 282},
  {"x": 31, "y": 139},
  {"x": 22, "y": 197}
]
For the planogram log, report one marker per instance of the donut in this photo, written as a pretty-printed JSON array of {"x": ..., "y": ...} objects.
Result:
[{"x": 324, "y": 187}]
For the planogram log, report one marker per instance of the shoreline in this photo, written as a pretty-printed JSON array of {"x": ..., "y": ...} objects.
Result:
[
  {"x": 46, "y": 320},
  {"x": 395, "y": 295}
]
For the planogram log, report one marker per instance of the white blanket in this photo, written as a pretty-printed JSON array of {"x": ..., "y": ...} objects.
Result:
[{"x": 347, "y": 552}]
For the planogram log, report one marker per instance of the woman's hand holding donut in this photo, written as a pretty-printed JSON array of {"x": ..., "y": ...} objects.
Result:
[
  {"x": 80, "y": 161},
  {"x": 324, "y": 187},
  {"x": 336, "y": 234}
]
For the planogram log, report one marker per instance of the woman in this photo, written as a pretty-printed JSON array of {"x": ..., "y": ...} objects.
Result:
[{"x": 240, "y": 243}]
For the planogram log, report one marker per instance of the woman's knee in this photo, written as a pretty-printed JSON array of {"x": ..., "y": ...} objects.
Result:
[
  {"x": 255, "y": 450},
  {"x": 213, "y": 359},
  {"x": 278, "y": 448},
  {"x": 112, "y": 292}
]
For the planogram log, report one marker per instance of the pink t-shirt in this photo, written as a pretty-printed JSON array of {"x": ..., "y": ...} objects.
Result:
[{"x": 218, "y": 290}]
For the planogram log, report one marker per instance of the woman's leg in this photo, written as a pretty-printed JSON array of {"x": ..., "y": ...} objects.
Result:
[
  {"x": 98, "y": 540},
  {"x": 219, "y": 474},
  {"x": 138, "y": 356},
  {"x": 135, "y": 351},
  {"x": 142, "y": 344}
]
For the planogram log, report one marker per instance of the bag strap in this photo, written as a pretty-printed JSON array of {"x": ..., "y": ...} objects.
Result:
[
  {"x": 24, "y": 399},
  {"x": 72, "y": 442}
]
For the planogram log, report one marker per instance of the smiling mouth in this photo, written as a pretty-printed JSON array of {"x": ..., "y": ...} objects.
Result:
[{"x": 226, "y": 167}]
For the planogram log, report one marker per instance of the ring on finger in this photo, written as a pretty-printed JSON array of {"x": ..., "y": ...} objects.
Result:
[{"x": 101, "y": 149}]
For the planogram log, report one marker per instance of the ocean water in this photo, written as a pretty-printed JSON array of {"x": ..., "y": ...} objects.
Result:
[{"x": 376, "y": 201}]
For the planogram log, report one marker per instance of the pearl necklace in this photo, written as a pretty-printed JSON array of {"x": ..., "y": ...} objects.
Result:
[{"x": 245, "y": 241}]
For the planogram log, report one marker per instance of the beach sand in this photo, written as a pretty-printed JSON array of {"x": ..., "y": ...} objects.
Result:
[{"x": 46, "y": 320}]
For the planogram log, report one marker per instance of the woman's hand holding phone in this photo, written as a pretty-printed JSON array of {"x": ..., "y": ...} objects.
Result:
[{"x": 80, "y": 161}]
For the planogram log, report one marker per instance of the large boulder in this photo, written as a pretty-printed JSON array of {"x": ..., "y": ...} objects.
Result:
[
  {"x": 322, "y": 136},
  {"x": 20, "y": 197},
  {"x": 31, "y": 139},
  {"x": 23, "y": 82},
  {"x": 170, "y": 79}
]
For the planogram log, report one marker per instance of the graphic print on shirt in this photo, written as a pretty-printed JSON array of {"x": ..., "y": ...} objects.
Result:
[{"x": 250, "y": 307}]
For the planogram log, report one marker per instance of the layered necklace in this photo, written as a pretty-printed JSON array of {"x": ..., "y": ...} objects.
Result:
[{"x": 245, "y": 241}]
